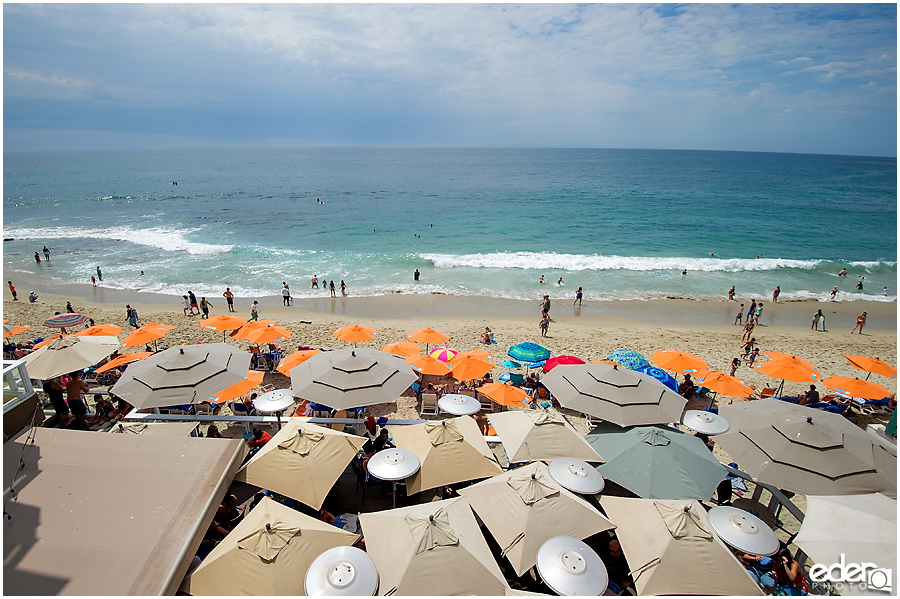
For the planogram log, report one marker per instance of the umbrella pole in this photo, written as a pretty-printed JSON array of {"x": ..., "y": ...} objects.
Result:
[{"x": 780, "y": 389}]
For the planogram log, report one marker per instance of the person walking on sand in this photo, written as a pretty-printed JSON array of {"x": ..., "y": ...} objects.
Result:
[
  {"x": 748, "y": 328},
  {"x": 545, "y": 324},
  {"x": 131, "y": 314},
  {"x": 834, "y": 292},
  {"x": 758, "y": 314},
  {"x": 331, "y": 287},
  {"x": 817, "y": 316},
  {"x": 731, "y": 293},
  {"x": 285, "y": 294},
  {"x": 12, "y": 290},
  {"x": 860, "y": 322},
  {"x": 229, "y": 297},
  {"x": 46, "y": 253},
  {"x": 186, "y": 304},
  {"x": 545, "y": 305},
  {"x": 578, "y": 296},
  {"x": 193, "y": 299},
  {"x": 735, "y": 364},
  {"x": 204, "y": 307},
  {"x": 776, "y": 293},
  {"x": 739, "y": 319},
  {"x": 254, "y": 310}
]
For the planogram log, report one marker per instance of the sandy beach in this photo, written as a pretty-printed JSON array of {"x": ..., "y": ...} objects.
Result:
[{"x": 590, "y": 332}]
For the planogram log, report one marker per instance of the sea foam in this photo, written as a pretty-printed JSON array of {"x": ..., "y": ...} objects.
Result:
[{"x": 165, "y": 239}]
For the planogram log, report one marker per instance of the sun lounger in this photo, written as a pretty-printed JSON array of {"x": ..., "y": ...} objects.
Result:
[{"x": 429, "y": 405}]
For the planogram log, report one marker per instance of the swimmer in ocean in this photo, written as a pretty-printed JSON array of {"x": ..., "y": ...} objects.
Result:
[{"x": 560, "y": 282}]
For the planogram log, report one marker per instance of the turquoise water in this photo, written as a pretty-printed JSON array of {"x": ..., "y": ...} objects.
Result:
[{"x": 623, "y": 224}]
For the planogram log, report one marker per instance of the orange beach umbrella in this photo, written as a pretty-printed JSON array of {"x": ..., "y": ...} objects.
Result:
[
  {"x": 102, "y": 330},
  {"x": 295, "y": 359},
  {"x": 718, "y": 381},
  {"x": 788, "y": 368},
  {"x": 242, "y": 332},
  {"x": 470, "y": 367},
  {"x": 427, "y": 336},
  {"x": 48, "y": 340},
  {"x": 253, "y": 380},
  {"x": 679, "y": 361},
  {"x": 869, "y": 365},
  {"x": 9, "y": 331},
  {"x": 482, "y": 355},
  {"x": 355, "y": 333},
  {"x": 269, "y": 334},
  {"x": 505, "y": 395},
  {"x": 225, "y": 322},
  {"x": 854, "y": 387},
  {"x": 123, "y": 359},
  {"x": 402, "y": 348},
  {"x": 147, "y": 333},
  {"x": 425, "y": 364}
]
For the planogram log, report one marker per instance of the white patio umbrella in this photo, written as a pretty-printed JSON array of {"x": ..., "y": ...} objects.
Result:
[
  {"x": 180, "y": 375},
  {"x": 352, "y": 378},
  {"x": 68, "y": 354}
]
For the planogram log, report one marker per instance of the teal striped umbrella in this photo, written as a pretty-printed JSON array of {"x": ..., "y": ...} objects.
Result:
[{"x": 528, "y": 352}]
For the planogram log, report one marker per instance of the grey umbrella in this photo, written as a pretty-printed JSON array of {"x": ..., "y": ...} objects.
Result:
[
  {"x": 68, "y": 354},
  {"x": 352, "y": 378},
  {"x": 186, "y": 374},
  {"x": 807, "y": 451},
  {"x": 656, "y": 462},
  {"x": 619, "y": 395}
]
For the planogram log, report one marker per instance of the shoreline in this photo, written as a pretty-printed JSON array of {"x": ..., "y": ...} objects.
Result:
[{"x": 882, "y": 316}]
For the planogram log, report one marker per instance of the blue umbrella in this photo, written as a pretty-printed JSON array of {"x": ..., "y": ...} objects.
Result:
[
  {"x": 661, "y": 375},
  {"x": 628, "y": 359},
  {"x": 510, "y": 364},
  {"x": 528, "y": 352}
]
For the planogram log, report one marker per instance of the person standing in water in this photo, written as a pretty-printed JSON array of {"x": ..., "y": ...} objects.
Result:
[
  {"x": 37, "y": 257},
  {"x": 46, "y": 253},
  {"x": 416, "y": 275},
  {"x": 331, "y": 287},
  {"x": 578, "y": 296},
  {"x": 776, "y": 293},
  {"x": 99, "y": 275}
]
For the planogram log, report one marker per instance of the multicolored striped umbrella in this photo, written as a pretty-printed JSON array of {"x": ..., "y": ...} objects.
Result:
[
  {"x": 628, "y": 359},
  {"x": 65, "y": 320},
  {"x": 444, "y": 354}
]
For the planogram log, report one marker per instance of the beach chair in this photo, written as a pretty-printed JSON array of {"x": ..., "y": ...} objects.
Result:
[
  {"x": 429, "y": 405},
  {"x": 764, "y": 392}
]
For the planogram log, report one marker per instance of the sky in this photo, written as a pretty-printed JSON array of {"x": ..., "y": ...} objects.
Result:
[{"x": 807, "y": 78}]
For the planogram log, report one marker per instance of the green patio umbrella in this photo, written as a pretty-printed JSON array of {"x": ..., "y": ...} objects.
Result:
[{"x": 656, "y": 462}]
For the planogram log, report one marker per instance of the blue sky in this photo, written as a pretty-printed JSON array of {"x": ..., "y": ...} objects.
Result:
[{"x": 819, "y": 78}]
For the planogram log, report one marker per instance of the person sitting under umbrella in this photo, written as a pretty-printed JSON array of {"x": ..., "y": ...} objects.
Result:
[
  {"x": 788, "y": 575},
  {"x": 260, "y": 438},
  {"x": 687, "y": 388},
  {"x": 382, "y": 441}
]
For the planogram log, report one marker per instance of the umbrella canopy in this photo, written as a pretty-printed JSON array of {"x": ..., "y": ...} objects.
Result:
[
  {"x": 628, "y": 359},
  {"x": 254, "y": 379},
  {"x": 355, "y": 333},
  {"x": 9, "y": 330},
  {"x": 541, "y": 434},
  {"x": 302, "y": 461},
  {"x": 807, "y": 451},
  {"x": 122, "y": 360},
  {"x": 861, "y": 527},
  {"x": 504, "y": 395},
  {"x": 618, "y": 395},
  {"x": 352, "y": 378},
  {"x": 427, "y": 364},
  {"x": 664, "y": 540},
  {"x": 444, "y": 354},
  {"x": 431, "y": 549},
  {"x": 269, "y": 334},
  {"x": 225, "y": 322},
  {"x": 555, "y": 361},
  {"x": 528, "y": 352},
  {"x": 147, "y": 333},
  {"x": 524, "y": 507},
  {"x": 241, "y": 333},
  {"x": 657, "y": 462},
  {"x": 718, "y": 381},
  {"x": 872, "y": 365},
  {"x": 788, "y": 368},
  {"x": 854, "y": 387},
  {"x": 661, "y": 375},
  {"x": 402, "y": 348},
  {"x": 266, "y": 554},
  {"x": 101, "y": 330},
  {"x": 65, "y": 320},
  {"x": 471, "y": 366},
  {"x": 428, "y": 336},
  {"x": 182, "y": 375},
  {"x": 289, "y": 362},
  {"x": 679, "y": 361},
  {"x": 49, "y": 340},
  {"x": 450, "y": 451},
  {"x": 68, "y": 354},
  {"x": 510, "y": 364}
]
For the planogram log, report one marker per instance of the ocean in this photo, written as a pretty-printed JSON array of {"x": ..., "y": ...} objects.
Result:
[{"x": 622, "y": 224}]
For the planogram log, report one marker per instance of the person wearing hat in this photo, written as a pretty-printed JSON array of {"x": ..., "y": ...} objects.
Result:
[{"x": 32, "y": 297}]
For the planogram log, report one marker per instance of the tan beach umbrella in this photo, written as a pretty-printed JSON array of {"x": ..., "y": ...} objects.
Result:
[
  {"x": 664, "y": 542},
  {"x": 619, "y": 395},
  {"x": 242, "y": 332},
  {"x": 807, "y": 451},
  {"x": 450, "y": 451},
  {"x": 10, "y": 330},
  {"x": 68, "y": 354},
  {"x": 425, "y": 364},
  {"x": 268, "y": 553},
  {"x": 302, "y": 461},
  {"x": 861, "y": 527},
  {"x": 402, "y": 348},
  {"x": 870, "y": 365},
  {"x": 540, "y": 434},
  {"x": 431, "y": 549},
  {"x": 352, "y": 378},
  {"x": 180, "y": 375},
  {"x": 147, "y": 333},
  {"x": 288, "y": 362},
  {"x": 101, "y": 330},
  {"x": 524, "y": 507},
  {"x": 122, "y": 360},
  {"x": 155, "y": 429}
]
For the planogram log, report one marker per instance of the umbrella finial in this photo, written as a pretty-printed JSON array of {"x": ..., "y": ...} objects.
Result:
[
  {"x": 268, "y": 527},
  {"x": 615, "y": 366},
  {"x": 181, "y": 351},
  {"x": 353, "y": 353},
  {"x": 533, "y": 476},
  {"x": 431, "y": 517},
  {"x": 809, "y": 419},
  {"x": 687, "y": 509}
]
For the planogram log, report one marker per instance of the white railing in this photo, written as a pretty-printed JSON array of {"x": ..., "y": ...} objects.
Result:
[{"x": 16, "y": 384}]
